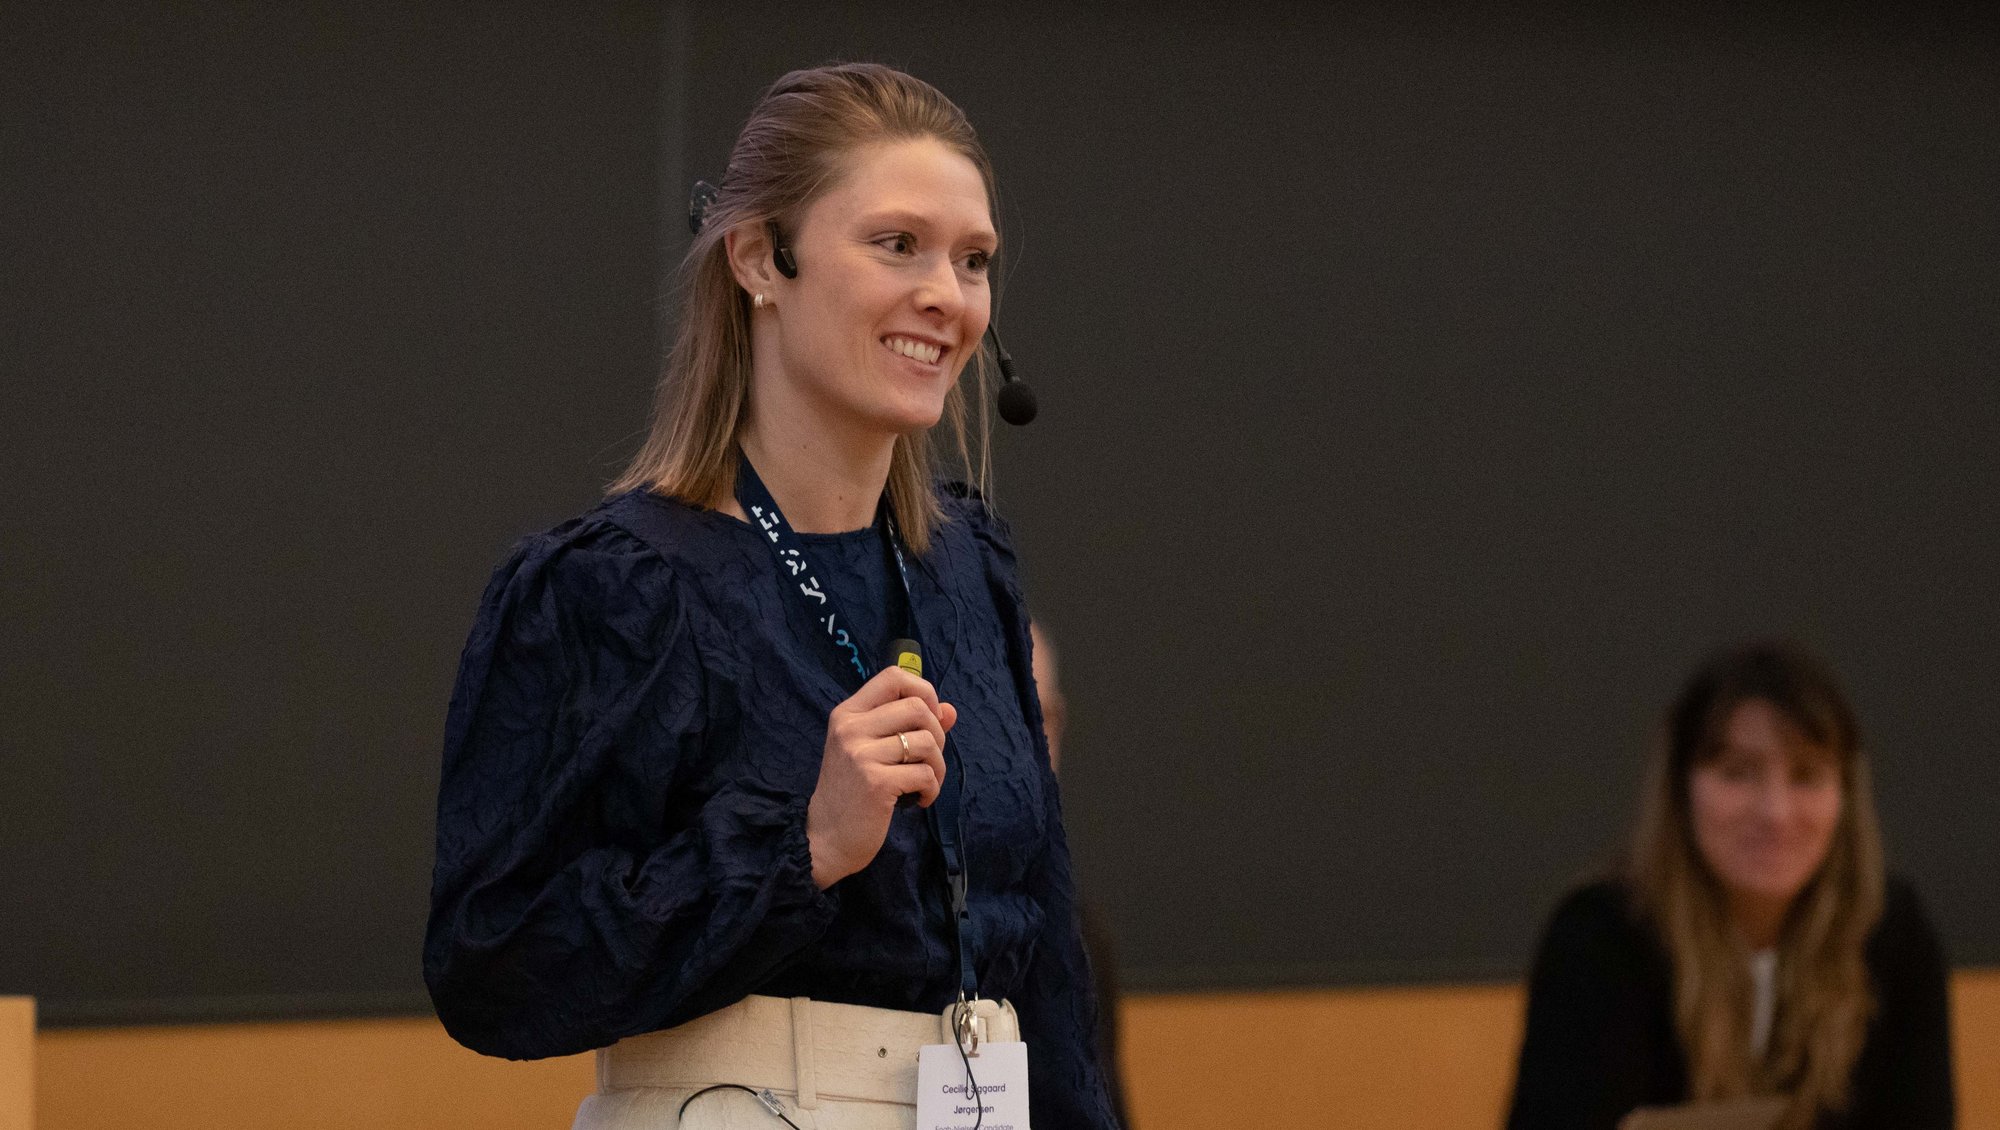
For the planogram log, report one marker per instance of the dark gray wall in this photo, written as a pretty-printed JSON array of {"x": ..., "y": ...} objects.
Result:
[
  {"x": 311, "y": 309},
  {"x": 1424, "y": 390}
]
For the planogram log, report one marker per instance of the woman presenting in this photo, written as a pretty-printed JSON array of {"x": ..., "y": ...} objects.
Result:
[
  {"x": 728, "y": 753},
  {"x": 1752, "y": 947}
]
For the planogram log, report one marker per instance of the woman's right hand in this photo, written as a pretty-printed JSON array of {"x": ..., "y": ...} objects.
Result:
[{"x": 864, "y": 769}]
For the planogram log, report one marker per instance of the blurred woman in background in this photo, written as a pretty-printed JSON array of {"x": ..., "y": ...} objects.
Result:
[{"x": 1752, "y": 945}]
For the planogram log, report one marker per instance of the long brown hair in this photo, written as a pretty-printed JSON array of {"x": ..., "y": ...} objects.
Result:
[
  {"x": 787, "y": 155},
  {"x": 1824, "y": 999}
]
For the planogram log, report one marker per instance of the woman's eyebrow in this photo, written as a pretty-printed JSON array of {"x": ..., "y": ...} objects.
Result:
[{"x": 921, "y": 222}]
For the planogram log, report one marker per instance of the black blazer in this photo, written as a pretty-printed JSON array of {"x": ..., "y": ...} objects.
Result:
[{"x": 1600, "y": 1039}]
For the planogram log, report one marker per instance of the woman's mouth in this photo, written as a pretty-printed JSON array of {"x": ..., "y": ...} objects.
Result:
[{"x": 923, "y": 351}]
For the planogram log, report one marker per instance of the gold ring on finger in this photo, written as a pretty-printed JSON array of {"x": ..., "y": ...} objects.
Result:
[{"x": 901, "y": 737}]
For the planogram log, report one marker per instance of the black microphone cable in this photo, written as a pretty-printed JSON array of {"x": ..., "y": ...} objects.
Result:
[{"x": 765, "y": 1097}]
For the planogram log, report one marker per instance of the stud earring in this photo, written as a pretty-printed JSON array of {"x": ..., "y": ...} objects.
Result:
[{"x": 758, "y": 301}]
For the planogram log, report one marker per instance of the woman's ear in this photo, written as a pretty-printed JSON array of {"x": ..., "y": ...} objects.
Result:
[{"x": 749, "y": 247}]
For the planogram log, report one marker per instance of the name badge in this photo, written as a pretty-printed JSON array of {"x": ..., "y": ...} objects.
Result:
[{"x": 946, "y": 1098}]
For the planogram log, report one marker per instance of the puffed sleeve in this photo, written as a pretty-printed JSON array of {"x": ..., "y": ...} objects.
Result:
[
  {"x": 593, "y": 881},
  {"x": 1058, "y": 1003}
]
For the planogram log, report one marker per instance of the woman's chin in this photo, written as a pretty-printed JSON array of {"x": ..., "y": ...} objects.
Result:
[
  {"x": 910, "y": 419},
  {"x": 1768, "y": 885}
]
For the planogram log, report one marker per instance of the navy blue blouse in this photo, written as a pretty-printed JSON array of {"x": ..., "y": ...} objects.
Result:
[{"x": 638, "y": 724}]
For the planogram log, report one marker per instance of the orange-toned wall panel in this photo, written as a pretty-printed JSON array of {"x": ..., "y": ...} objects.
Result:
[
  {"x": 17, "y": 1063},
  {"x": 403, "y": 1074},
  {"x": 1975, "y": 1044},
  {"x": 1353, "y": 1059}
]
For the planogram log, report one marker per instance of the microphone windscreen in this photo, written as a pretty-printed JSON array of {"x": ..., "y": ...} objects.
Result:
[{"x": 1017, "y": 403}]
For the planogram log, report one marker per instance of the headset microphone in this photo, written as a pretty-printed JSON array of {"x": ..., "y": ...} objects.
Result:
[
  {"x": 781, "y": 256},
  {"x": 1017, "y": 400}
]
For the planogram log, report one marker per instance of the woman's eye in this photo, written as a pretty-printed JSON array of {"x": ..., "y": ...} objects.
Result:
[
  {"x": 901, "y": 243},
  {"x": 977, "y": 262}
]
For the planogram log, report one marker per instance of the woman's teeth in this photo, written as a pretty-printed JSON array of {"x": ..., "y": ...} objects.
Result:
[{"x": 917, "y": 350}]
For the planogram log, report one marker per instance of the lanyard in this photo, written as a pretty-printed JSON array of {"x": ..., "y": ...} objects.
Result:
[{"x": 947, "y": 813}]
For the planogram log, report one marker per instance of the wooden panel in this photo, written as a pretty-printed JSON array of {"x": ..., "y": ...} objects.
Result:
[
  {"x": 1975, "y": 1044},
  {"x": 1354, "y": 1059},
  {"x": 1389, "y": 1058},
  {"x": 322, "y": 1075},
  {"x": 17, "y": 1063}
]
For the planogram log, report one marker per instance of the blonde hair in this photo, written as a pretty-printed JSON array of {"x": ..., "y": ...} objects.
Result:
[
  {"x": 786, "y": 157},
  {"x": 1824, "y": 998}
]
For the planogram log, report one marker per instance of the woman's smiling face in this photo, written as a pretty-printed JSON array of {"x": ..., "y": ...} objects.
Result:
[
  {"x": 1765, "y": 806},
  {"x": 892, "y": 295}
]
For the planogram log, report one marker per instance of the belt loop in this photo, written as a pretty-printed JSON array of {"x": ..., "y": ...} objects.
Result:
[{"x": 802, "y": 1052}]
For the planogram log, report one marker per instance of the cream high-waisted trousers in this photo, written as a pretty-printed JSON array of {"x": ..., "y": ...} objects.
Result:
[{"x": 831, "y": 1067}]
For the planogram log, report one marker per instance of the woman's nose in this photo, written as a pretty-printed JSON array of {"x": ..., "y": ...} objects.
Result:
[
  {"x": 1774, "y": 800},
  {"x": 938, "y": 289}
]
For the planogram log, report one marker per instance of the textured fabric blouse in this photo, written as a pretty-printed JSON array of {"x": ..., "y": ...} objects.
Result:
[
  {"x": 1601, "y": 1041},
  {"x": 637, "y": 727}
]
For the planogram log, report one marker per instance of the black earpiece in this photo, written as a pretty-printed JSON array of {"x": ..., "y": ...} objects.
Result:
[
  {"x": 1017, "y": 400},
  {"x": 703, "y": 197},
  {"x": 781, "y": 256}
]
